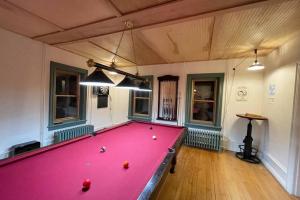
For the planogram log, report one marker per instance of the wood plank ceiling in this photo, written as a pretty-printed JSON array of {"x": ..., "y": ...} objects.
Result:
[{"x": 165, "y": 31}]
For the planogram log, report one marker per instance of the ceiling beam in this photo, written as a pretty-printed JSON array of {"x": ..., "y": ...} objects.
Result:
[
  {"x": 166, "y": 14},
  {"x": 114, "y": 8},
  {"x": 114, "y": 25},
  {"x": 153, "y": 6}
]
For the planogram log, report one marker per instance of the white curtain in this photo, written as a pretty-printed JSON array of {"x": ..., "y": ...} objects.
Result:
[{"x": 167, "y": 100}]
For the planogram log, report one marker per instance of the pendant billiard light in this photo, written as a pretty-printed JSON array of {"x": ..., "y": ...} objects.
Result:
[
  {"x": 97, "y": 78},
  {"x": 256, "y": 65},
  {"x": 130, "y": 81},
  {"x": 127, "y": 83}
]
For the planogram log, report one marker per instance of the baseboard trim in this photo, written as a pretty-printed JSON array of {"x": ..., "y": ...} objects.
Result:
[
  {"x": 230, "y": 145},
  {"x": 276, "y": 169}
]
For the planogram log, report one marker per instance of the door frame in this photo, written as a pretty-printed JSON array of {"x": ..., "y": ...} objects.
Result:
[{"x": 293, "y": 172}]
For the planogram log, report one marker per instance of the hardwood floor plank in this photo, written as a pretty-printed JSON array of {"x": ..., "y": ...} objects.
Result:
[{"x": 209, "y": 175}]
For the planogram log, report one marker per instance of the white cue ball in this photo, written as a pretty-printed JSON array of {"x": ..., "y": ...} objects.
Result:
[{"x": 154, "y": 137}]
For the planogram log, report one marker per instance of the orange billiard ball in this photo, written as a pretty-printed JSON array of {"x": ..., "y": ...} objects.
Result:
[{"x": 126, "y": 165}]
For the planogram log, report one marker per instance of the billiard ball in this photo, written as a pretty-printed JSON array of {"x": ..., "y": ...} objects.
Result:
[
  {"x": 86, "y": 184},
  {"x": 154, "y": 137},
  {"x": 103, "y": 149},
  {"x": 126, "y": 165}
]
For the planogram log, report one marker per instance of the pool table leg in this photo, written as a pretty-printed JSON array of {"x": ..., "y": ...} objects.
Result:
[{"x": 173, "y": 164}]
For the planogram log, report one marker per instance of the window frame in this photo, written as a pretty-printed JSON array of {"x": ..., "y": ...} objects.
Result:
[
  {"x": 82, "y": 73},
  {"x": 208, "y": 101},
  {"x": 191, "y": 79},
  {"x": 131, "y": 108},
  {"x": 134, "y": 103}
]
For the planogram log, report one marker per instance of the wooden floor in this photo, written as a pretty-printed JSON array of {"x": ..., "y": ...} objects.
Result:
[{"x": 207, "y": 175}]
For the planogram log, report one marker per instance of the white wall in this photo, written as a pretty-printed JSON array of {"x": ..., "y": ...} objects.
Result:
[
  {"x": 234, "y": 129},
  {"x": 20, "y": 88},
  {"x": 24, "y": 91},
  {"x": 281, "y": 72}
]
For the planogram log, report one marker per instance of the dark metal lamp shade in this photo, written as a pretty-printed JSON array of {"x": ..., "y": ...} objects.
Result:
[
  {"x": 127, "y": 83},
  {"x": 97, "y": 78}
]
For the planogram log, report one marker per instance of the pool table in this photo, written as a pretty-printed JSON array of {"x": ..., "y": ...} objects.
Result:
[{"x": 57, "y": 172}]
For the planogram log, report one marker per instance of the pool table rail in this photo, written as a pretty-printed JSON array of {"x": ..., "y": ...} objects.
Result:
[{"x": 153, "y": 186}]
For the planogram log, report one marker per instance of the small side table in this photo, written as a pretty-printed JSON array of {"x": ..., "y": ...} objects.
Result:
[{"x": 248, "y": 153}]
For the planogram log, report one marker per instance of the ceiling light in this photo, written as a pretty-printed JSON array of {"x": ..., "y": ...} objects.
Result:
[
  {"x": 97, "y": 78},
  {"x": 256, "y": 65},
  {"x": 127, "y": 83}
]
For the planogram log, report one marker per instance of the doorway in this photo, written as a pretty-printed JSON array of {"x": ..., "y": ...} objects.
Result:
[{"x": 293, "y": 179}]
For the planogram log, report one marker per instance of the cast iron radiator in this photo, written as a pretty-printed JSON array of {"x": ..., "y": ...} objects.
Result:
[
  {"x": 68, "y": 134},
  {"x": 203, "y": 138}
]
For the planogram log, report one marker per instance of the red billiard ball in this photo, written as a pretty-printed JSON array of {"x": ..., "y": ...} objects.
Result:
[
  {"x": 126, "y": 165},
  {"x": 86, "y": 184}
]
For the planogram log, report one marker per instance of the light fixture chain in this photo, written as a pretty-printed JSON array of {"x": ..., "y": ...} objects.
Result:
[
  {"x": 133, "y": 48},
  {"x": 119, "y": 44}
]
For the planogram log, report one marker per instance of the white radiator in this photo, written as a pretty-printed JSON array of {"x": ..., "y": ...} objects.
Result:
[{"x": 68, "y": 134}]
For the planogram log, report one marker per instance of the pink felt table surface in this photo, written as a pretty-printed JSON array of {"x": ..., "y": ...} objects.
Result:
[{"x": 58, "y": 173}]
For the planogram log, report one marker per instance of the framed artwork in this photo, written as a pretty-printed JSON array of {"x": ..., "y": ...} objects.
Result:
[{"x": 242, "y": 93}]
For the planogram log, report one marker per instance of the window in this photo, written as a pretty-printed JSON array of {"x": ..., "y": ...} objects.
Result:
[
  {"x": 204, "y": 97},
  {"x": 140, "y": 103},
  {"x": 67, "y": 98}
]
